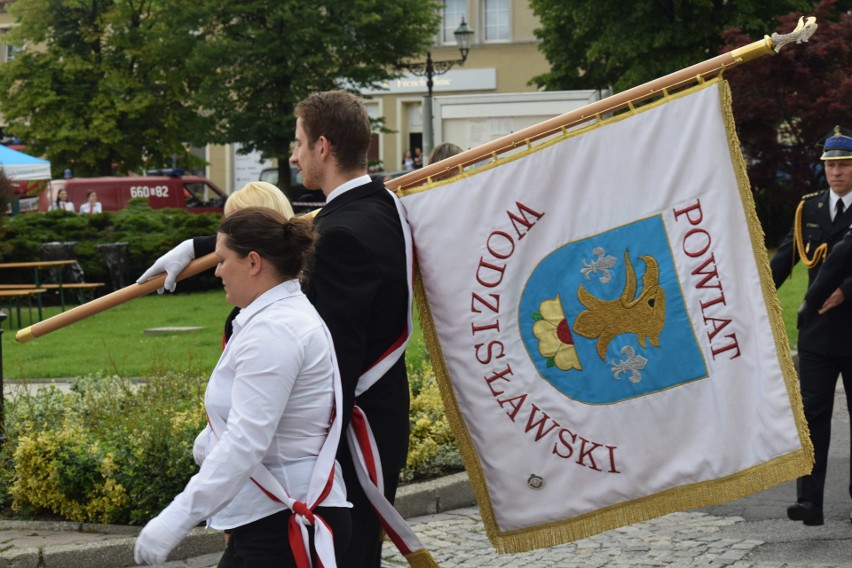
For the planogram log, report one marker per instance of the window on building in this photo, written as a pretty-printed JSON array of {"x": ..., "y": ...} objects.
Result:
[
  {"x": 9, "y": 51},
  {"x": 454, "y": 11},
  {"x": 496, "y": 16}
]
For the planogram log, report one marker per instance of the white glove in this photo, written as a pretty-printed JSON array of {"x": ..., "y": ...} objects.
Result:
[
  {"x": 199, "y": 447},
  {"x": 155, "y": 542},
  {"x": 172, "y": 263},
  {"x": 163, "y": 533}
]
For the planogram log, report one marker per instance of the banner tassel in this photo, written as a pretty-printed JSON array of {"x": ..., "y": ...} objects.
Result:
[{"x": 421, "y": 559}]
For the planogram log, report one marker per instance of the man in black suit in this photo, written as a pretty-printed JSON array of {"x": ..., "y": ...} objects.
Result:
[
  {"x": 358, "y": 282},
  {"x": 822, "y": 220}
]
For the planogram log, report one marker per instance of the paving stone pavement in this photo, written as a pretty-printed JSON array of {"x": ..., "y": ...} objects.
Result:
[{"x": 679, "y": 540}]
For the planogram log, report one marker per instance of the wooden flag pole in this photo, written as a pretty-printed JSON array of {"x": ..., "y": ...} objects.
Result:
[
  {"x": 679, "y": 79},
  {"x": 110, "y": 301},
  {"x": 456, "y": 164}
]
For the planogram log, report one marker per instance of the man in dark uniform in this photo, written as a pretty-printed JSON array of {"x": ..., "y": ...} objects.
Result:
[
  {"x": 838, "y": 265},
  {"x": 825, "y": 340}
]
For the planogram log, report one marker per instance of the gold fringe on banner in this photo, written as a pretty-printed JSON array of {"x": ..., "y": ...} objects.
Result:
[
  {"x": 770, "y": 295},
  {"x": 421, "y": 559},
  {"x": 454, "y": 416},
  {"x": 778, "y": 470}
]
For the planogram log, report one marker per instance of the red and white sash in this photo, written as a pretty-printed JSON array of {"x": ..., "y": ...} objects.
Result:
[
  {"x": 387, "y": 360},
  {"x": 362, "y": 444}
]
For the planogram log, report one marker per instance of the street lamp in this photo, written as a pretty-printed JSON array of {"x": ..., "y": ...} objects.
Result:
[{"x": 431, "y": 68}]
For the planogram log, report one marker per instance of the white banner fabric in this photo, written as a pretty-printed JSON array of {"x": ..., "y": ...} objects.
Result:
[{"x": 604, "y": 326}]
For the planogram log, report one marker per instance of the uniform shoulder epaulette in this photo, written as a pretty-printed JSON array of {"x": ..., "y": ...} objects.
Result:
[{"x": 809, "y": 195}]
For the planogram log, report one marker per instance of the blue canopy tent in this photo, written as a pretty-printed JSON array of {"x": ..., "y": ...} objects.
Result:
[{"x": 23, "y": 167}]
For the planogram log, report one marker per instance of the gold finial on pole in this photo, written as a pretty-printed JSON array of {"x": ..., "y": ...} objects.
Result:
[
  {"x": 770, "y": 45},
  {"x": 801, "y": 34},
  {"x": 679, "y": 79}
]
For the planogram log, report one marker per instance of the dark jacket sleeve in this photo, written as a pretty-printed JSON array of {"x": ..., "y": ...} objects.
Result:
[
  {"x": 344, "y": 283},
  {"x": 784, "y": 260},
  {"x": 204, "y": 245},
  {"x": 835, "y": 273}
]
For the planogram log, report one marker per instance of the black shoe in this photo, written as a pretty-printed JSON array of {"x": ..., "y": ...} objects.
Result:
[{"x": 805, "y": 512}]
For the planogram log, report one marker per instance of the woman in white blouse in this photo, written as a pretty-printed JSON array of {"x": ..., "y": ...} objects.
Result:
[
  {"x": 61, "y": 202},
  {"x": 91, "y": 205},
  {"x": 268, "y": 474}
]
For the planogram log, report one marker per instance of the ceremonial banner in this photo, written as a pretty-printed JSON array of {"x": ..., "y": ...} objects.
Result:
[{"x": 604, "y": 327}]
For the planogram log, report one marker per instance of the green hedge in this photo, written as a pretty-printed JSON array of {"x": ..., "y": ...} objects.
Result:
[
  {"x": 116, "y": 451},
  {"x": 147, "y": 232},
  {"x": 109, "y": 451}
]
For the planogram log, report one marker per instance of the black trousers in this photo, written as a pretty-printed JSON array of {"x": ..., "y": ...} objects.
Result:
[
  {"x": 818, "y": 382},
  {"x": 264, "y": 543}
]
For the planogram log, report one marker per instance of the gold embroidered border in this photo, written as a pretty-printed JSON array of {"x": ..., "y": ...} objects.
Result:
[{"x": 770, "y": 295}]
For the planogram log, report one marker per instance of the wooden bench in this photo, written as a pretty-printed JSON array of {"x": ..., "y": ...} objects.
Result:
[
  {"x": 15, "y": 296},
  {"x": 85, "y": 290}
]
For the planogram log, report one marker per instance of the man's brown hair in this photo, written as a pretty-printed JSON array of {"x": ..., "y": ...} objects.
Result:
[{"x": 342, "y": 118}]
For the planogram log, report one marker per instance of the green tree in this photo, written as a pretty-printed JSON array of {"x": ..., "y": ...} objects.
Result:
[
  {"x": 100, "y": 84},
  {"x": 597, "y": 44},
  {"x": 784, "y": 105},
  {"x": 259, "y": 58}
]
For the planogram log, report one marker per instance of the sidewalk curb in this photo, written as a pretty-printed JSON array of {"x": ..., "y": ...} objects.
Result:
[{"x": 413, "y": 500}]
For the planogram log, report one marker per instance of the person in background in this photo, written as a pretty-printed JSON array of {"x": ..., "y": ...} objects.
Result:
[
  {"x": 252, "y": 194},
  {"x": 259, "y": 194},
  {"x": 418, "y": 158},
  {"x": 443, "y": 151},
  {"x": 408, "y": 161},
  {"x": 825, "y": 292},
  {"x": 268, "y": 474},
  {"x": 92, "y": 205},
  {"x": 825, "y": 341},
  {"x": 61, "y": 202}
]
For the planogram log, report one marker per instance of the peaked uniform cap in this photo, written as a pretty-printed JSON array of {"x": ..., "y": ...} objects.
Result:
[{"x": 838, "y": 145}]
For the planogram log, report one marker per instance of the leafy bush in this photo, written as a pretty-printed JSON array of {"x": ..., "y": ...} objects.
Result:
[
  {"x": 148, "y": 232},
  {"x": 67, "y": 473},
  {"x": 110, "y": 451},
  {"x": 432, "y": 449}
]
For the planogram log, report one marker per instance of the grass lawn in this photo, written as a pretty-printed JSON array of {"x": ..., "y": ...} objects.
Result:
[
  {"x": 790, "y": 295},
  {"x": 113, "y": 341}
]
